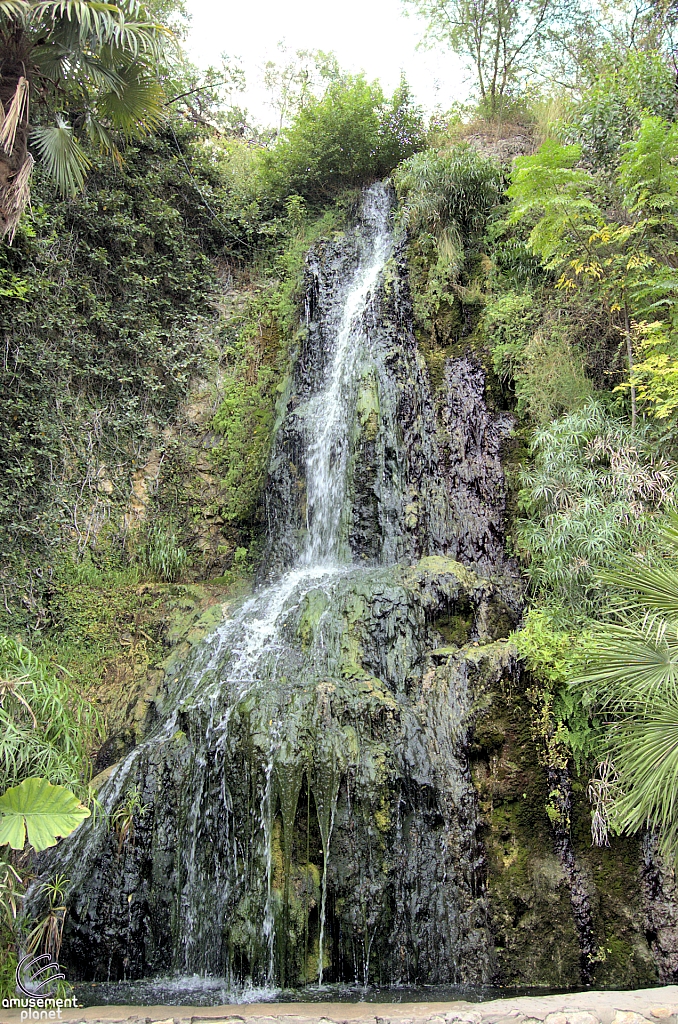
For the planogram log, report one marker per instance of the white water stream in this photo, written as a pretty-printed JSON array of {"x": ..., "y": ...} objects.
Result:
[{"x": 255, "y": 636}]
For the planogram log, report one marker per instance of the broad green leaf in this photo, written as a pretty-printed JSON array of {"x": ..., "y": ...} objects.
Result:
[{"x": 42, "y": 810}]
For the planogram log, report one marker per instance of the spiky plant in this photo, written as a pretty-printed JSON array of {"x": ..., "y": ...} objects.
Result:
[
  {"x": 88, "y": 70},
  {"x": 46, "y": 728},
  {"x": 634, "y": 673},
  {"x": 448, "y": 194},
  {"x": 589, "y": 499}
]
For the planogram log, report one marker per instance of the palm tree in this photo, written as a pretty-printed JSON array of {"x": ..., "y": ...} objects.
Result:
[
  {"x": 89, "y": 70},
  {"x": 634, "y": 669}
]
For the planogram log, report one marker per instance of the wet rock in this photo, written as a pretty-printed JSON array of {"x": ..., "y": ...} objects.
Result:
[{"x": 660, "y": 898}]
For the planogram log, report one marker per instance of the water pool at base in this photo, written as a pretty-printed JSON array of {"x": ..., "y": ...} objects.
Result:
[{"x": 205, "y": 991}]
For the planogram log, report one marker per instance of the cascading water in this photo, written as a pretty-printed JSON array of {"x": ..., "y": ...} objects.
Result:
[
  {"x": 307, "y": 804},
  {"x": 329, "y": 412}
]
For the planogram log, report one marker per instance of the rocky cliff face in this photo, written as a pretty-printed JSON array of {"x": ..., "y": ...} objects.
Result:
[{"x": 342, "y": 782}]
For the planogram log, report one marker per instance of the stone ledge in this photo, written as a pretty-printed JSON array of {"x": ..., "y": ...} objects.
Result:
[{"x": 647, "y": 1006}]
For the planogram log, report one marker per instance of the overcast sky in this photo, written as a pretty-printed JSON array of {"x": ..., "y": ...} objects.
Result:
[{"x": 367, "y": 35}]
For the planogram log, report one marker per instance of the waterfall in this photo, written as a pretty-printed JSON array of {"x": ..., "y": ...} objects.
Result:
[
  {"x": 329, "y": 413},
  {"x": 308, "y": 809}
]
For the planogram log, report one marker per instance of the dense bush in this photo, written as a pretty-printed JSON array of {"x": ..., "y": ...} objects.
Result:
[
  {"x": 349, "y": 137},
  {"x": 535, "y": 351},
  {"x": 627, "y": 89},
  {"x": 449, "y": 193},
  {"x": 104, "y": 307},
  {"x": 47, "y": 728},
  {"x": 446, "y": 200}
]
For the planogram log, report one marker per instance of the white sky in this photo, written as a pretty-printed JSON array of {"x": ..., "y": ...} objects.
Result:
[{"x": 373, "y": 36}]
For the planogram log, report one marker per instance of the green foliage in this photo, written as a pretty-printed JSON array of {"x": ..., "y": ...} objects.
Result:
[
  {"x": 124, "y": 816},
  {"x": 105, "y": 307},
  {"x": 240, "y": 193},
  {"x": 349, "y": 137},
  {"x": 537, "y": 353},
  {"x": 47, "y": 728},
  {"x": 554, "y": 656},
  {"x": 589, "y": 498},
  {"x": 633, "y": 670},
  {"x": 245, "y": 421},
  {"x": 47, "y": 731},
  {"x": 446, "y": 200},
  {"x": 93, "y": 598},
  {"x": 623, "y": 93},
  {"x": 91, "y": 69},
  {"x": 448, "y": 194},
  {"x": 627, "y": 262},
  {"x": 160, "y": 553},
  {"x": 296, "y": 82},
  {"x": 39, "y": 811}
]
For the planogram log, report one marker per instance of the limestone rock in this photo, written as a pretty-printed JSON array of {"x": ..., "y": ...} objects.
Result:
[
  {"x": 628, "y": 1017},
  {"x": 581, "y": 1017}
]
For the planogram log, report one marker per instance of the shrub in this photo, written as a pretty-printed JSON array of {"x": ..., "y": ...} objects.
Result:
[
  {"x": 349, "y": 137},
  {"x": 614, "y": 106},
  {"x": 537, "y": 355},
  {"x": 160, "y": 553},
  {"x": 448, "y": 194},
  {"x": 46, "y": 727}
]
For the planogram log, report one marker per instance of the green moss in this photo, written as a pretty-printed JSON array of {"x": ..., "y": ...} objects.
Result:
[
  {"x": 533, "y": 923},
  {"x": 315, "y": 604},
  {"x": 455, "y": 628},
  {"x": 367, "y": 408}
]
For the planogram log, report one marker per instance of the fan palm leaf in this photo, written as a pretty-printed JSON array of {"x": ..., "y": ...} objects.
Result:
[
  {"x": 63, "y": 156},
  {"x": 634, "y": 671},
  {"x": 136, "y": 105},
  {"x": 635, "y": 662},
  {"x": 645, "y": 753}
]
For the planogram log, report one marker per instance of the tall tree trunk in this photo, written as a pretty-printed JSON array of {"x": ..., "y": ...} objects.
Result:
[{"x": 16, "y": 163}]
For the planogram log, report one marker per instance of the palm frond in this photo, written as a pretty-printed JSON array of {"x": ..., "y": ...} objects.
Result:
[
  {"x": 88, "y": 25},
  {"x": 634, "y": 668},
  {"x": 670, "y": 531},
  {"x": 17, "y": 11},
  {"x": 63, "y": 156},
  {"x": 650, "y": 588},
  {"x": 102, "y": 138},
  {"x": 646, "y": 759},
  {"x": 101, "y": 74},
  {"x": 136, "y": 106}
]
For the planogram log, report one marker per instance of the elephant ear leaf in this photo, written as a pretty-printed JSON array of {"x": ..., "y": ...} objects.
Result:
[{"x": 41, "y": 810}]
